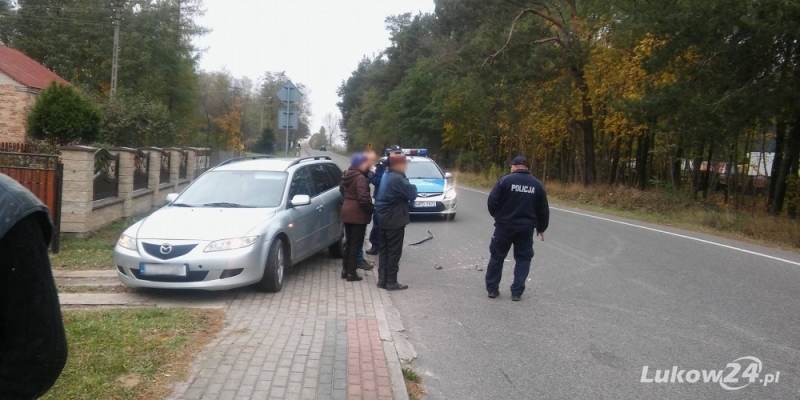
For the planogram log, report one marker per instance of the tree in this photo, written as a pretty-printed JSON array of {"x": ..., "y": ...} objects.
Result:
[
  {"x": 63, "y": 115},
  {"x": 266, "y": 143},
  {"x": 331, "y": 127},
  {"x": 136, "y": 121},
  {"x": 158, "y": 57}
]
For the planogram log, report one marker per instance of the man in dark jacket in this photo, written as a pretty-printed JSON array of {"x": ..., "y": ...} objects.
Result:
[
  {"x": 518, "y": 204},
  {"x": 392, "y": 206},
  {"x": 375, "y": 177},
  {"x": 33, "y": 347},
  {"x": 356, "y": 213}
]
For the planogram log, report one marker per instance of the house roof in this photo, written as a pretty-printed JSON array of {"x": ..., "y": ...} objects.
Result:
[{"x": 24, "y": 70}]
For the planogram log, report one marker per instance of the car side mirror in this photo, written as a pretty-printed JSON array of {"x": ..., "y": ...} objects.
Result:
[
  {"x": 171, "y": 197},
  {"x": 448, "y": 175},
  {"x": 301, "y": 200}
]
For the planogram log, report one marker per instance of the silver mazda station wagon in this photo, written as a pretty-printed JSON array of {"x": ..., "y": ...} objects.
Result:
[{"x": 246, "y": 221}]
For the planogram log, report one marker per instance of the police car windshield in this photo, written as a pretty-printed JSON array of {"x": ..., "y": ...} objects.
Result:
[{"x": 423, "y": 170}]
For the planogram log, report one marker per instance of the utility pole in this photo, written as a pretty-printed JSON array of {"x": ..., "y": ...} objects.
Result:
[{"x": 116, "y": 8}]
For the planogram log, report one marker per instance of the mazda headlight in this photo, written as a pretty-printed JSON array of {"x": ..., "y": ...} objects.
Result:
[
  {"x": 231, "y": 244},
  {"x": 450, "y": 194},
  {"x": 127, "y": 242}
]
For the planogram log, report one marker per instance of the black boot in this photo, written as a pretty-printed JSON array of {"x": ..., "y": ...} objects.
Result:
[
  {"x": 392, "y": 283},
  {"x": 381, "y": 278},
  {"x": 353, "y": 277},
  {"x": 363, "y": 264},
  {"x": 344, "y": 272},
  {"x": 374, "y": 250}
]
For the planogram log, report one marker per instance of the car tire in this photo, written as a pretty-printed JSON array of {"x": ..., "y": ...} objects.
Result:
[
  {"x": 275, "y": 270},
  {"x": 337, "y": 249},
  {"x": 449, "y": 217}
]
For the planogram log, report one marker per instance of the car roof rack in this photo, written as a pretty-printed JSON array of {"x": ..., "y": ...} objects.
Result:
[
  {"x": 315, "y": 158},
  {"x": 235, "y": 160}
]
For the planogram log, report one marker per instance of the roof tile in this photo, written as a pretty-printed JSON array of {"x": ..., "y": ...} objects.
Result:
[{"x": 25, "y": 70}]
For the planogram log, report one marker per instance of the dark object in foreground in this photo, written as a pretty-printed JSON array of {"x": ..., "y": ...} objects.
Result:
[
  {"x": 33, "y": 346},
  {"x": 430, "y": 237}
]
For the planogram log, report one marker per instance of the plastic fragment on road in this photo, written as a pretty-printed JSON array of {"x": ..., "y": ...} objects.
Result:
[{"x": 430, "y": 237}]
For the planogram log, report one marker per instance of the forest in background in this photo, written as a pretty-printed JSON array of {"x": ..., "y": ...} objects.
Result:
[
  {"x": 619, "y": 92},
  {"x": 163, "y": 98}
]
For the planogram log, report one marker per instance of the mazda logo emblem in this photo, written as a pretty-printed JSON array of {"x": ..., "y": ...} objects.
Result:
[{"x": 166, "y": 248}]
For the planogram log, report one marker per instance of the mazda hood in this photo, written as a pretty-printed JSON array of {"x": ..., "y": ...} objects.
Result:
[{"x": 179, "y": 223}]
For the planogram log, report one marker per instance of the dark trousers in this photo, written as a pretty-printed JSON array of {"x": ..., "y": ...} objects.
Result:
[
  {"x": 391, "y": 251},
  {"x": 375, "y": 232},
  {"x": 522, "y": 239},
  {"x": 355, "y": 242}
]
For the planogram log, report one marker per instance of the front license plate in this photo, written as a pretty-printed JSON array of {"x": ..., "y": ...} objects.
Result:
[
  {"x": 424, "y": 204},
  {"x": 162, "y": 269}
]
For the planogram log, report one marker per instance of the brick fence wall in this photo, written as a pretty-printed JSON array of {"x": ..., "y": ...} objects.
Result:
[
  {"x": 80, "y": 214},
  {"x": 14, "y": 104}
]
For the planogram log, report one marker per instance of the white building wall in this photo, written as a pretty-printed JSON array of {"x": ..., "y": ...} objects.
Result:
[{"x": 6, "y": 80}]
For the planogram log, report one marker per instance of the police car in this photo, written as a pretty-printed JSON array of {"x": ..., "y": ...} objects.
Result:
[{"x": 436, "y": 192}]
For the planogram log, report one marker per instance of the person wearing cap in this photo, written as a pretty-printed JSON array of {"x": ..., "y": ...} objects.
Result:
[
  {"x": 375, "y": 179},
  {"x": 33, "y": 346},
  {"x": 518, "y": 203},
  {"x": 356, "y": 213},
  {"x": 392, "y": 205}
]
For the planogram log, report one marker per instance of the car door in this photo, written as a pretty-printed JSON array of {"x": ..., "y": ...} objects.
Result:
[
  {"x": 328, "y": 194},
  {"x": 304, "y": 218},
  {"x": 336, "y": 200}
]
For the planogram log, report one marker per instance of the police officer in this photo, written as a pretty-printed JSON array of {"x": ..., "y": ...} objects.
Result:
[{"x": 518, "y": 203}]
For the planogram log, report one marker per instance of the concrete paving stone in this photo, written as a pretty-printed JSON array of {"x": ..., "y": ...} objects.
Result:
[{"x": 295, "y": 343}]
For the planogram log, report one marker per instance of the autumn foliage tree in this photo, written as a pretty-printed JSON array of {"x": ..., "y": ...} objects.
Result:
[{"x": 625, "y": 92}]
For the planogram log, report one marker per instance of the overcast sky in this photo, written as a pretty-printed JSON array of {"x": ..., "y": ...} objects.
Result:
[{"x": 317, "y": 42}]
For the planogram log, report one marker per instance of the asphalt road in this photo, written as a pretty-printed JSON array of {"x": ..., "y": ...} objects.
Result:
[{"x": 604, "y": 300}]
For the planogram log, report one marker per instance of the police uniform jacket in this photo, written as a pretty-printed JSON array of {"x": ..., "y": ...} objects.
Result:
[{"x": 520, "y": 199}]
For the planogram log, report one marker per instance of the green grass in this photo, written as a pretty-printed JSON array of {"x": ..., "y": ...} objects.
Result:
[
  {"x": 95, "y": 251},
  {"x": 410, "y": 375},
  {"x": 131, "y": 353}
]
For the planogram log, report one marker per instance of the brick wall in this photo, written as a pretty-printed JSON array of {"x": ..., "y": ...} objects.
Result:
[{"x": 14, "y": 103}]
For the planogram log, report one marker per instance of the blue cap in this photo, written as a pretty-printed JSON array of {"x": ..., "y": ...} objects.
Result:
[{"x": 357, "y": 159}]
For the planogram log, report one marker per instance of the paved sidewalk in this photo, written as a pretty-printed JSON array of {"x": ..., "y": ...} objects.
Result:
[{"x": 319, "y": 338}]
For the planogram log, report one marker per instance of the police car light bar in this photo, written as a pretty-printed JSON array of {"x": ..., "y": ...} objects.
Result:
[{"x": 411, "y": 152}]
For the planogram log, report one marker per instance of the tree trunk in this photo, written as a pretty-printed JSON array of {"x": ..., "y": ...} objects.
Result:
[
  {"x": 612, "y": 178},
  {"x": 642, "y": 164},
  {"x": 587, "y": 126},
  {"x": 697, "y": 163},
  {"x": 676, "y": 168},
  {"x": 777, "y": 161},
  {"x": 707, "y": 176},
  {"x": 789, "y": 163}
]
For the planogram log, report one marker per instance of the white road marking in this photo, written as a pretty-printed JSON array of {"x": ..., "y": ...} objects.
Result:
[{"x": 662, "y": 231}]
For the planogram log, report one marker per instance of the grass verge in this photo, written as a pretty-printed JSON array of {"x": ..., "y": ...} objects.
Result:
[
  {"x": 671, "y": 208},
  {"x": 131, "y": 353},
  {"x": 413, "y": 384},
  {"x": 94, "y": 289},
  {"x": 92, "y": 252}
]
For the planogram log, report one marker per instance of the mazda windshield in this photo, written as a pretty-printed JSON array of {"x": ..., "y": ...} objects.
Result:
[{"x": 235, "y": 189}]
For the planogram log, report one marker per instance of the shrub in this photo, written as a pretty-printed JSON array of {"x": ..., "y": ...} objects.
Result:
[
  {"x": 63, "y": 115},
  {"x": 136, "y": 121}
]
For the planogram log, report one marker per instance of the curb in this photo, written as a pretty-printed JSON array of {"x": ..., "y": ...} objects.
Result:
[{"x": 396, "y": 347}]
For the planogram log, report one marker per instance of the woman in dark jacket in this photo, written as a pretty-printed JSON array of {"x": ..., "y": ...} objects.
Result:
[{"x": 356, "y": 212}]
